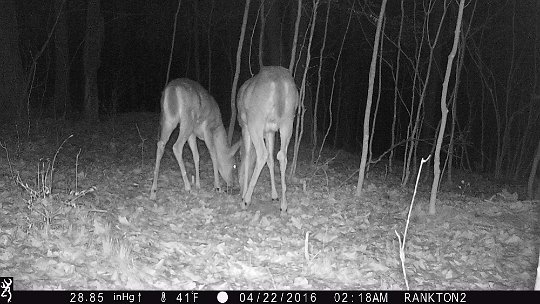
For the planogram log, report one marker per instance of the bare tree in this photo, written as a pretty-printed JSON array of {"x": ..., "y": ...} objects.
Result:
[
  {"x": 378, "y": 101},
  {"x": 367, "y": 112},
  {"x": 295, "y": 39},
  {"x": 299, "y": 130},
  {"x": 444, "y": 110},
  {"x": 396, "y": 83},
  {"x": 237, "y": 73},
  {"x": 319, "y": 79},
  {"x": 417, "y": 125}
]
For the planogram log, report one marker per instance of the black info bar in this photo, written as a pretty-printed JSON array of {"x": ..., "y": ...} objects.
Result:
[{"x": 258, "y": 296}]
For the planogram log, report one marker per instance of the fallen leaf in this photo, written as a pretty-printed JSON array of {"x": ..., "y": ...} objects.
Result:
[{"x": 123, "y": 220}]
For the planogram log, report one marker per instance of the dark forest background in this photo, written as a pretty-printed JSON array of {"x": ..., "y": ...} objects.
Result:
[{"x": 93, "y": 60}]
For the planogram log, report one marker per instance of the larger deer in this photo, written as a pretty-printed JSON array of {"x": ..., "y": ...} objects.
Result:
[
  {"x": 266, "y": 104},
  {"x": 186, "y": 103}
]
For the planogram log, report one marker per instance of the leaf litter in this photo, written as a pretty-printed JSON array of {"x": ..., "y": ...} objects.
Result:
[{"x": 116, "y": 238}]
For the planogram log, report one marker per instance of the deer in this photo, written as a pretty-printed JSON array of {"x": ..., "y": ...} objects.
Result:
[
  {"x": 266, "y": 104},
  {"x": 185, "y": 103}
]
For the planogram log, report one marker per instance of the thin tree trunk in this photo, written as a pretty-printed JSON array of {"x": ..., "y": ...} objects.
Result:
[
  {"x": 482, "y": 129},
  {"x": 301, "y": 107},
  {"x": 295, "y": 39},
  {"x": 377, "y": 103},
  {"x": 394, "y": 117},
  {"x": 450, "y": 154},
  {"x": 419, "y": 123},
  {"x": 367, "y": 113},
  {"x": 444, "y": 111},
  {"x": 338, "y": 114},
  {"x": 237, "y": 73},
  {"x": 434, "y": 83},
  {"x": 319, "y": 78},
  {"x": 410, "y": 144},
  {"x": 261, "y": 36}
]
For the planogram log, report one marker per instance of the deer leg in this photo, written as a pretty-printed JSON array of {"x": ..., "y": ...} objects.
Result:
[
  {"x": 262, "y": 154},
  {"x": 178, "y": 146},
  {"x": 244, "y": 180},
  {"x": 285, "y": 135},
  {"x": 166, "y": 130},
  {"x": 209, "y": 141},
  {"x": 192, "y": 142},
  {"x": 270, "y": 161}
]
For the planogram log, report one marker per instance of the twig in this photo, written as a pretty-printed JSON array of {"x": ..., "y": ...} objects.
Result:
[
  {"x": 54, "y": 159},
  {"x": 306, "y": 246},
  {"x": 402, "y": 244},
  {"x": 8, "y": 160},
  {"x": 76, "y": 169}
]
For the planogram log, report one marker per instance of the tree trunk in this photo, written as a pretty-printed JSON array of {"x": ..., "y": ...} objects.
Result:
[
  {"x": 304, "y": 91},
  {"x": 237, "y": 73},
  {"x": 92, "y": 51},
  {"x": 367, "y": 112},
  {"x": 444, "y": 111},
  {"x": 396, "y": 83},
  {"x": 451, "y": 148},
  {"x": 62, "y": 103},
  {"x": 11, "y": 77},
  {"x": 319, "y": 80},
  {"x": 434, "y": 83}
]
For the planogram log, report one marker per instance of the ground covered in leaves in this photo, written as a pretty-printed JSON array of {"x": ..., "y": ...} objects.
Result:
[{"x": 99, "y": 230}]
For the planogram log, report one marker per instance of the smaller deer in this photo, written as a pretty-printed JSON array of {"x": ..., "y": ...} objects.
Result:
[{"x": 187, "y": 104}]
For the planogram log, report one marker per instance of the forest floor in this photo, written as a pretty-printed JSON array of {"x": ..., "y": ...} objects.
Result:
[{"x": 483, "y": 237}]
